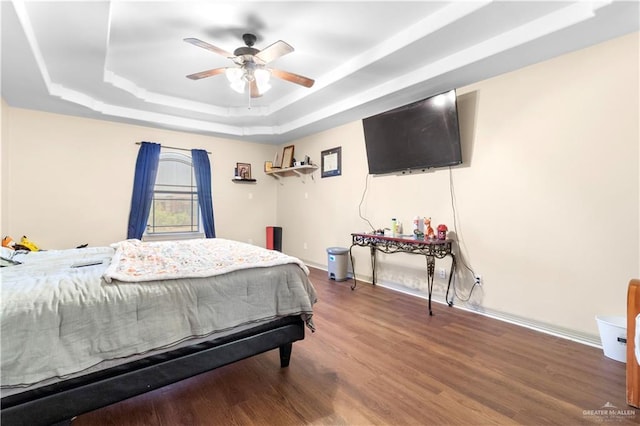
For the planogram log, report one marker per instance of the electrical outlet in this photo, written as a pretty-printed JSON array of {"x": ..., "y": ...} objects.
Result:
[
  {"x": 304, "y": 246},
  {"x": 442, "y": 273},
  {"x": 478, "y": 279}
]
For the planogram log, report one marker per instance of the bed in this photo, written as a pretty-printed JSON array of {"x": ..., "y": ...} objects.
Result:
[
  {"x": 633, "y": 343},
  {"x": 85, "y": 328}
]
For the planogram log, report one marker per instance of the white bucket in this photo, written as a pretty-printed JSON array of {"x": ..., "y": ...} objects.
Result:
[{"x": 613, "y": 334}]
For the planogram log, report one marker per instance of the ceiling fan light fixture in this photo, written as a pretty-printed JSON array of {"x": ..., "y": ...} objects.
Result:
[
  {"x": 238, "y": 86},
  {"x": 262, "y": 77},
  {"x": 236, "y": 78},
  {"x": 234, "y": 74}
]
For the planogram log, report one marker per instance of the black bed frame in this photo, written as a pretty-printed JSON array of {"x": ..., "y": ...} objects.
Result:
[{"x": 61, "y": 402}]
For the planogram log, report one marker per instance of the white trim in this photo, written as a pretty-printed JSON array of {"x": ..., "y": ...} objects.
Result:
[{"x": 561, "y": 332}]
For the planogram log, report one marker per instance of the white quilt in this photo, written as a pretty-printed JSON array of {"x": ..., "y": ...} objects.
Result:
[
  {"x": 58, "y": 320},
  {"x": 137, "y": 261}
]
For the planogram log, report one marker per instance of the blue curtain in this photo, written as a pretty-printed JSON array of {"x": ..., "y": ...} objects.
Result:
[
  {"x": 143, "y": 183},
  {"x": 202, "y": 170}
]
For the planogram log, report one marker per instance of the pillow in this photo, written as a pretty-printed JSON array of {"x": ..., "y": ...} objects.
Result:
[
  {"x": 6, "y": 253},
  {"x": 6, "y": 257}
]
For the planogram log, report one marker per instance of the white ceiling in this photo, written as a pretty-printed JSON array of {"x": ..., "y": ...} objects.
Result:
[{"x": 127, "y": 61}]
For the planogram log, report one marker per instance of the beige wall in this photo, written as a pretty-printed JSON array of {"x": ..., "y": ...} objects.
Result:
[
  {"x": 4, "y": 136},
  {"x": 547, "y": 200},
  {"x": 70, "y": 180}
]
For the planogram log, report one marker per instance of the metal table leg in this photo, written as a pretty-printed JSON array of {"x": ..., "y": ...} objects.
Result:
[
  {"x": 431, "y": 266},
  {"x": 353, "y": 267},
  {"x": 373, "y": 265},
  {"x": 453, "y": 271}
]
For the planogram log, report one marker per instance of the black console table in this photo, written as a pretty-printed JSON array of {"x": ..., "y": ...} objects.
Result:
[{"x": 431, "y": 249}]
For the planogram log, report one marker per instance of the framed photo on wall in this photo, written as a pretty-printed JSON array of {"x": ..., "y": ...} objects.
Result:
[
  {"x": 331, "y": 162},
  {"x": 287, "y": 156},
  {"x": 244, "y": 170}
]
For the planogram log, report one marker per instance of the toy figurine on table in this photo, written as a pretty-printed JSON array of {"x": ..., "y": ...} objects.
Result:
[
  {"x": 428, "y": 230},
  {"x": 442, "y": 232}
]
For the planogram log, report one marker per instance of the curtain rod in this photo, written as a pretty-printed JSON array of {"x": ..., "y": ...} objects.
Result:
[{"x": 173, "y": 147}]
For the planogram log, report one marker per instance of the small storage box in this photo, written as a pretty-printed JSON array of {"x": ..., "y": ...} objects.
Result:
[{"x": 613, "y": 334}]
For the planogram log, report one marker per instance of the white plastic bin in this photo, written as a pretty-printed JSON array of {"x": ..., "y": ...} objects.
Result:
[
  {"x": 613, "y": 334},
  {"x": 337, "y": 263}
]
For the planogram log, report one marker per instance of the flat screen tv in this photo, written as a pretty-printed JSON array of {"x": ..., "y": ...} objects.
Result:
[{"x": 421, "y": 135}]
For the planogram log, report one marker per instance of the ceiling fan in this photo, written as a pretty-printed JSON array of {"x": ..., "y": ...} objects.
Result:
[{"x": 251, "y": 67}]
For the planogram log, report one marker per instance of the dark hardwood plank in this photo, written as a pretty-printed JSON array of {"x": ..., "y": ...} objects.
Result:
[{"x": 379, "y": 358}]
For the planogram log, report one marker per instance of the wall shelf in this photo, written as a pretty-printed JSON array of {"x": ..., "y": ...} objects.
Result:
[
  {"x": 299, "y": 171},
  {"x": 243, "y": 180}
]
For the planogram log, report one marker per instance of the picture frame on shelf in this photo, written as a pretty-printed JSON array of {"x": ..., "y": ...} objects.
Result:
[
  {"x": 243, "y": 170},
  {"x": 287, "y": 156},
  {"x": 268, "y": 166},
  {"x": 331, "y": 162},
  {"x": 277, "y": 161}
]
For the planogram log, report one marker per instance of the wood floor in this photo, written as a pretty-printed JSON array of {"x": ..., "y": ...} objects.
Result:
[{"x": 377, "y": 358}]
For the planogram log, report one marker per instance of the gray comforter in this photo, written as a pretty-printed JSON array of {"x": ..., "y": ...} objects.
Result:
[{"x": 58, "y": 320}]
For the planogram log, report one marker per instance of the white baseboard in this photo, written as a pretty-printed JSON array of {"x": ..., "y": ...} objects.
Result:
[{"x": 564, "y": 333}]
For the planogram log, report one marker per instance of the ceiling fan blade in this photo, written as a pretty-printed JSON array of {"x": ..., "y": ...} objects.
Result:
[
  {"x": 204, "y": 74},
  {"x": 294, "y": 78},
  {"x": 255, "y": 93},
  {"x": 274, "y": 51},
  {"x": 210, "y": 47}
]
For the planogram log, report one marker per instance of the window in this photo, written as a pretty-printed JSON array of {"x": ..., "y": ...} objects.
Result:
[{"x": 174, "y": 208}]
